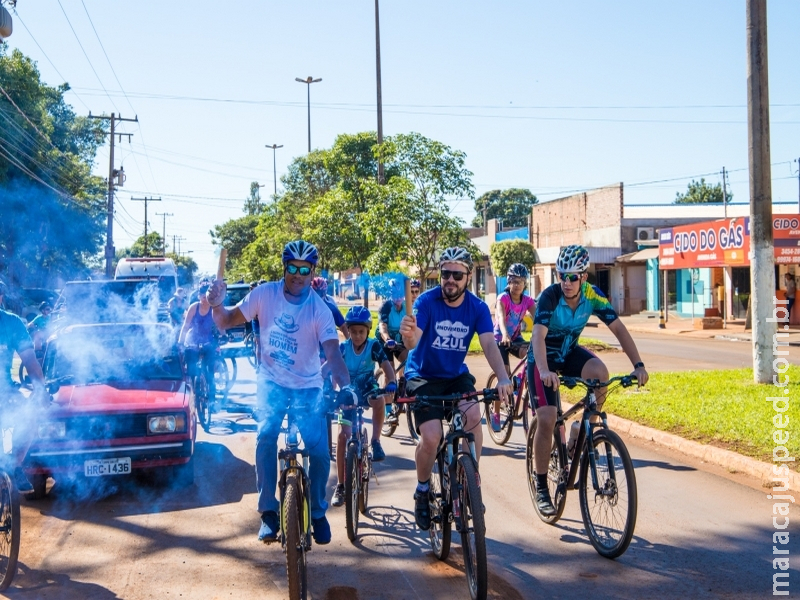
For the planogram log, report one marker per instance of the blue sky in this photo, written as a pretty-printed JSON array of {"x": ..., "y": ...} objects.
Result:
[{"x": 551, "y": 96}]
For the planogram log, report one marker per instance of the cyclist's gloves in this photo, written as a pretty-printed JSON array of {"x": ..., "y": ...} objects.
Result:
[
  {"x": 391, "y": 387},
  {"x": 390, "y": 344},
  {"x": 347, "y": 396}
]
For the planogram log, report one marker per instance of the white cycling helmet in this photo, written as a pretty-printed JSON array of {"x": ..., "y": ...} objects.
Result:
[
  {"x": 456, "y": 255},
  {"x": 573, "y": 259},
  {"x": 300, "y": 250}
]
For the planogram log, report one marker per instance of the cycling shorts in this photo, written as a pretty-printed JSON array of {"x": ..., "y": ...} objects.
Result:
[
  {"x": 417, "y": 386},
  {"x": 518, "y": 347},
  {"x": 541, "y": 395}
]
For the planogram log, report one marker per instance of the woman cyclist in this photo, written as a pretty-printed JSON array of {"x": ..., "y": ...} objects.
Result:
[
  {"x": 509, "y": 312},
  {"x": 199, "y": 337}
]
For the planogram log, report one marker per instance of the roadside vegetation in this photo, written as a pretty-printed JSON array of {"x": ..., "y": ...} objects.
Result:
[{"x": 723, "y": 408}]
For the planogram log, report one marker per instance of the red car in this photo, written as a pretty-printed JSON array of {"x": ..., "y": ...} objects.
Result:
[{"x": 120, "y": 404}]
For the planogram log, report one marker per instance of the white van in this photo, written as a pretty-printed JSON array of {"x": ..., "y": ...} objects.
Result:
[{"x": 158, "y": 269}]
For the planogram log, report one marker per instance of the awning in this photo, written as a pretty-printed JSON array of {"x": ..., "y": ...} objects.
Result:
[{"x": 640, "y": 256}]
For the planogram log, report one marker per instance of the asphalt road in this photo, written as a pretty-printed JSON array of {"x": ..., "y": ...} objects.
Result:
[{"x": 701, "y": 533}]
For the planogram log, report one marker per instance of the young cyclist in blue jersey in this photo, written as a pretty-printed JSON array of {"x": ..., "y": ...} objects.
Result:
[
  {"x": 562, "y": 311},
  {"x": 362, "y": 354},
  {"x": 438, "y": 334},
  {"x": 294, "y": 321}
]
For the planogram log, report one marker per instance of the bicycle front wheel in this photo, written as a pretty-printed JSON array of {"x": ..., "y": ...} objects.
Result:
[
  {"x": 609, "y": 510},
  {"x": 222, "y": 381},
  {"x": 440, "y": 513},
  {"x": 293, "y": 527},
  {"x": 412, "y": 431},
  {"x": 556, "y": 473},
  {"x": 366, "y": 471},
  {"x": 506, "y": 417},
  {"x": 390, "y": 422},
  {"x": 351, "y": 490},
  {"x": 201, "y": 402},
  {"x": 9, "y": 530},
  {"x": 250, "y": 345},
  {"x": 472, "y": 527}
]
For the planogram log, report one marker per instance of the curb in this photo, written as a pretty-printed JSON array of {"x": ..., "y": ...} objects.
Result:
[{"x": 730, "y": 461}]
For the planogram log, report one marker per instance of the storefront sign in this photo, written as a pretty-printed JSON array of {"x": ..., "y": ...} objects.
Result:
[{"x": 725, "y": 243}]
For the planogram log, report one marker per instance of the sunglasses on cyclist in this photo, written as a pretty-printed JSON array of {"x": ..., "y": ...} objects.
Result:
[
  {"x": 456, "y": 275},
  {"x": 571, "y": 277},
  {"x": 294, "y": 270}
]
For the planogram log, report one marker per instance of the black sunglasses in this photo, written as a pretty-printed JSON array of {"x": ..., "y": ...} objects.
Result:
[
  {"x": 571, "y": 277},
  {"x": 293, "y": 270},
  {"x": 457, "y": 275}
]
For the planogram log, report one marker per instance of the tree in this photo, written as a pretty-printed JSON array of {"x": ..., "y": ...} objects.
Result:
[
  {"x": 155, "y": 245},
  {"x": 186, "y": 266},
  {"x": 253, "y": 206},
  {"x": 699, "y": 192},
  {"x": 506, "y": 253},
  {"x": 511, "y": 206},
  {"x": 235, "y": 235},
  {"x": 46, "y": 156}
]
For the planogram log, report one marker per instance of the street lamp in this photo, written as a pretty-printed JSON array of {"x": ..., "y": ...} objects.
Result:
[
  {"x": 274, "y": 168},
  {"x": 308, "y": 81}
]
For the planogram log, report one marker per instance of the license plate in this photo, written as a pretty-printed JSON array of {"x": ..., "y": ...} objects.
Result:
[
  {"x": 107, "y": 466},
  {"x": 237, "y": 336}
]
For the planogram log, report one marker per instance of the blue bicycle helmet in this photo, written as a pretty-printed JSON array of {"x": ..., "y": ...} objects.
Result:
[
  {"x": 300, "y": 250},
  {"x": 517, "y": 270},
  {"x": 358, "y": 315}
]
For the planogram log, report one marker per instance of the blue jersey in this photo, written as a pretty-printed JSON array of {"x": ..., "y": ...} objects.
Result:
[
  {"x": 392, "y": 316},
  {"x": 361, "y": 367},
  {"x": 338, "y": 317},
  {"x": 446, "y": 334},
  {"x": 564, "y": 325},
  {"x": 13, "y": 338}
]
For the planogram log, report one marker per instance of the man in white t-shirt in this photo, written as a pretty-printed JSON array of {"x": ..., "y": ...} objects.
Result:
[{"x": 293, "y": 321}]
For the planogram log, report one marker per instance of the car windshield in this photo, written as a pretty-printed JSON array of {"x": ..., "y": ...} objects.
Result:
[
  {"x": 114, "y": 354},
  {"x": 235, "y": 295}
]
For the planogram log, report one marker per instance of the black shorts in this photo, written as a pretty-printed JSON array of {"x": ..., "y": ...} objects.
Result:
[
  {"x": 518, "y": 347},
  {"x": 394, "y": 353},
  {"x": 572, "y": 366},
  {"x": 438, "y": 387}
]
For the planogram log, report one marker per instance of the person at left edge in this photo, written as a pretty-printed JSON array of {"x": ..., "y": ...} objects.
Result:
[{"x": 293, "y": 322}]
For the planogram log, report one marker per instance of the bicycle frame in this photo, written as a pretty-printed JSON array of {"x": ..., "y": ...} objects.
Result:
[{"x": 589, "y": 406}]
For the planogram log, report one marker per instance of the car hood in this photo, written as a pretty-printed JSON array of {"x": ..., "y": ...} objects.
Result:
[{"x": 131, "y": 396}]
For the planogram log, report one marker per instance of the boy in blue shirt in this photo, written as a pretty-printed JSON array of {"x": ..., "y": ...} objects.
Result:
[{"x": 361, "y": 355}]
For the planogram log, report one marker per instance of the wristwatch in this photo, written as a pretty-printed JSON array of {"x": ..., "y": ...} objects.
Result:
[{"x": 639, "y": 365}]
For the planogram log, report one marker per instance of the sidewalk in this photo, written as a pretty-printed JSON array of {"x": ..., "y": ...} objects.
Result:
[{"x": 648, "y": 322}]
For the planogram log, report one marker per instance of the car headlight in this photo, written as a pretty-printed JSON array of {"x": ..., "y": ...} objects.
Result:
[
  {"x": 52, "y": 430},
  {"x": 166, "y": 423}
]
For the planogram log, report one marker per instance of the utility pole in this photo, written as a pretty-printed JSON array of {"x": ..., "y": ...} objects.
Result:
[
  {"x": 112, "y": 173},
  {"x": 145, "y": 200},
  {"x": 762, "y": 259},
  {"x": 176, "y": 239},
  {"x": 381, "y": 178},
  {"x": 164, "y": 231},
  {"x": 725, "y": 191},
  {"x": 274, "y": 167},
  {"x": 308, "y": 81}
]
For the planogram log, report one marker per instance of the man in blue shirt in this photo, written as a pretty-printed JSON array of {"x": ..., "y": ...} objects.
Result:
[
  {"x": 320, "y": 285},
  {"x": 439, "y": 335}
]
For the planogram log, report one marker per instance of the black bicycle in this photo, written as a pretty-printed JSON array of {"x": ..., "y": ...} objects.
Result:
[
  {"x": 295, "y": 514},
  {"x": 455, "y": 489},
  {"x": 600, "y": 469},
  {"x": 358, "y": 465}
]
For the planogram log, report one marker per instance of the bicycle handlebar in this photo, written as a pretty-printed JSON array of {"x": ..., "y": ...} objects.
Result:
[
  {"x": 368, "y": 396},
  {"x": 571, "y": 382},
  {"x": 488, "y": 395}
]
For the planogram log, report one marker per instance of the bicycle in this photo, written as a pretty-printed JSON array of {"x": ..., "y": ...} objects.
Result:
[
  {"x": 358, "y": 465},
  {"x": 22, "y": 374},
  {"x": 9, "y": 519},
  {"x": 460, "y": 503},
  {"x": 204, "y": 404},
  {"x": 600, "y": 465},
  {"x": 295, "y": 515},
  {"x": 393, "y": 416},
  {"x": 511, "y": 412},
  {"x": 251, "y": 347}
]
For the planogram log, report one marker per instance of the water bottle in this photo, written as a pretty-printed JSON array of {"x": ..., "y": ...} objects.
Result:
[{"x": 574, "y": 429}]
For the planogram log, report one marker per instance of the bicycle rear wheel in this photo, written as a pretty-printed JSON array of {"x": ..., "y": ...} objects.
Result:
[
  {"x": 366, "y": 471},
  {"x": 506, "y": 417},
  {"x": 440, "y": 512},
  {"x": 473, "y": 527},
  {"x": 556, "y": 474},
  {"x": 222, "y": 380},
  {"x": 293, "y": 528},
  {"x": 250, "y": 345},
  {"x": 391, "y": 420},
  {"x": 201, "y": 402},
  {"x": 609, "y": 512},
  {"x": 9, "y": 530},
  {"x": 351, "y": 492},
  {"x": 526, "y": 410}
]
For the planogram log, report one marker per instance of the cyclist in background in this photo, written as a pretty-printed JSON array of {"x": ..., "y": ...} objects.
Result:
[
  {"x": 390, "y": 315},
  {"x": 512, "y": 306},
  {"x": 198, "y": 336},
  {"x": 19, "y": 411},
  {"x": 439, "y": 333},
  {"x": 362, "y": 354},
  {"x": 416, "y": 289},
  {"x": 320, "y": 285},
  {"x": 39, "y": 328},
  {"x": 177, "y": 306},
  {"x": 561, "y": 314},
  {"x": 294, "y": 322}
]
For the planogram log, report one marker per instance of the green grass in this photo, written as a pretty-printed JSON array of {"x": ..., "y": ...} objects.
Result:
[{"x": 723, "y": 408}]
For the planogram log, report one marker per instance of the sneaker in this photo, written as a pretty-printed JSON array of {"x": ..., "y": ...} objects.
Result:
[
  {"x": 338, "y": 495},
  {"x": 496, "y": 423},
  {"x": 21, "y": 481},
  {"x": 270, "y": 524},
  {"x": 321, "y": 530},
  {"x": 377, "y": 451},
  {"x": 422, "y": 510},
  {"x": 544, "y": 503}
]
